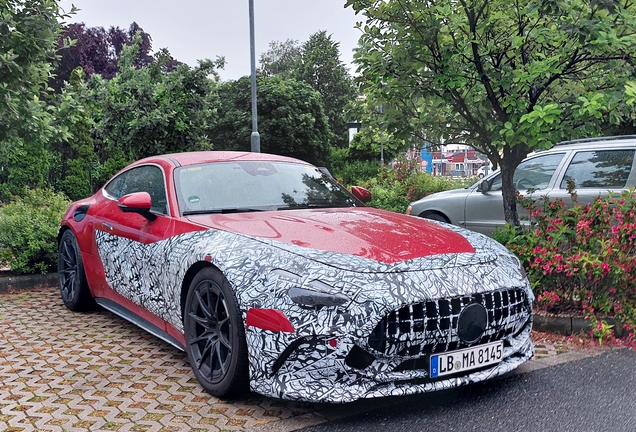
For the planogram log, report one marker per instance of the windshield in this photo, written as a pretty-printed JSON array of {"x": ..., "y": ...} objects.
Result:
[{"x": 226, "y": 187}]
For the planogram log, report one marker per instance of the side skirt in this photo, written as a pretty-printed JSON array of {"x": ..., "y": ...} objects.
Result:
[{"x": 129, "y": 316}]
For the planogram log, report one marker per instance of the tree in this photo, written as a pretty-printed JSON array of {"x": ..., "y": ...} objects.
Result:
[
  {"x": 150, "y": 110},
  {"x": 317, "y": 63},
  {"x": 74, "y": 160},
  {"x": 290, "y": 117},
  {"x": 28, "y": 35},
  {"x": 97, "y": 51},
  {"x": 320, "y": 66},
  {"x": 503, "y": 77},
  {"x": 280, "y": 58}
]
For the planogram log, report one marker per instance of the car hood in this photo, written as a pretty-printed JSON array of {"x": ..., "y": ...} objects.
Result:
[
  {"x": 444, "y": 194},
  {"x": 369, "y": 233}
]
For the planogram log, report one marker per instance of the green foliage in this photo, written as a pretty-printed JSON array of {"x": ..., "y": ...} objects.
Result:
[
  {"x": 503, "y": 77},
  {"x": 317, "y": 63},
  {"x": 351, "y": 172},
  {"x": 367, "y": 145},
  {"x": 280, "y": 58},
  {"x": 395, "y": 189},
  {"x": 150, "y": 110},
  {"x": 75, "y": 159},
  {"x": 291, "y": 119},
  {"x": 28, "y": 230},
  {"x": 28, "y": 38},
  {"x": 582, "y": 257}
]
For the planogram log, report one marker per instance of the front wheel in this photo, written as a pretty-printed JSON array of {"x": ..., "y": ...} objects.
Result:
[
  {"x": 215, "y": 335},
  {"x": 70, "y": 268},
  {"x": 436, "y": 217}
]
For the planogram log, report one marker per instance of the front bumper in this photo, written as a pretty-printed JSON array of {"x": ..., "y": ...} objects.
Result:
[{"x": 316, "y": 371}]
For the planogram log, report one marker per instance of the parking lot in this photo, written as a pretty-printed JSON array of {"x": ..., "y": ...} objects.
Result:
[{"x": 66, "y": 371}]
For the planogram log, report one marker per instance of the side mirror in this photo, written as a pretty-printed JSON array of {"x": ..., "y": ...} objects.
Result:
[
  {"x": 484, "y": 186},
  {"x": 361, "y": 193},
  {"x": 138, "y": 202}
]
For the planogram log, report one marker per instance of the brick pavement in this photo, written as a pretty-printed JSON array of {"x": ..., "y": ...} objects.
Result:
[{"x": 65, "y": 371}]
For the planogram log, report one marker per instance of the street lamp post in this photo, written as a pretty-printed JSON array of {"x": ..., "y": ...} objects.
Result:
[
  {"x": 381, "y": 143},
  {"x": 255, "y": 138}
]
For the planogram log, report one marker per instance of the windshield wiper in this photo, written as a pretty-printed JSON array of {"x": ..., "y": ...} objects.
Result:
[
  {"x": 315, "y": 206},
  {"x": 222, "y": 211}
]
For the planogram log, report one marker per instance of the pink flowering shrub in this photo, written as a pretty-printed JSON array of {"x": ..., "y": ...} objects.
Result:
[{"x": 582, "y": 257}]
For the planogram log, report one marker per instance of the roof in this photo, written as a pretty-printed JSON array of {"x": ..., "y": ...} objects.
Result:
[
  {"x": 198, "y": 157},
  {"x": 597, "y": 143}
]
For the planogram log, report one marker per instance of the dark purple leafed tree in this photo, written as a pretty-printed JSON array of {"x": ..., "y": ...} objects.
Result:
[{"x": 97, "y": 51}]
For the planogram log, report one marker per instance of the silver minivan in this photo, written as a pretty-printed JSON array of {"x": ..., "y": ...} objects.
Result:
[{"x": 597, "y": 166}]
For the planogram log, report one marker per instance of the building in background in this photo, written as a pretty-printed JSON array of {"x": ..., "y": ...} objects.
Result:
[{"x": 457, "y": 160}]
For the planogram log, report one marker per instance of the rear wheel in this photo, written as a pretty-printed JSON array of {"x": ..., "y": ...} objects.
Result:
[
  {"x": 70, "y": 268},
  {"x": 215, "y": 335},
  {"x": 436, "y": 217}
]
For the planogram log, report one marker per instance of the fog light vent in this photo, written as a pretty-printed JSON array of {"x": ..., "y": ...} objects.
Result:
[{"x": 359, "y": 358}]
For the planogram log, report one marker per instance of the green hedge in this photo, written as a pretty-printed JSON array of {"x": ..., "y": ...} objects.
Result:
[{"x": 28, "y": 231}]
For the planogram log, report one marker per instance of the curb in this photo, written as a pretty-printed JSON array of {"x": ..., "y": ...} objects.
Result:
[
  {"x": 567, "y": 325},
  {"x": 25, "y": 282}
]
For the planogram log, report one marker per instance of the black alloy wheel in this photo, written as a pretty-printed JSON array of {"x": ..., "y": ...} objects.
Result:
[
  {"x": 215, "y": 336},
  {"x": 73, "y": 285}
]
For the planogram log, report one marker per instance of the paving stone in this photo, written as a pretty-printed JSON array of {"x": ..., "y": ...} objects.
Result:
[{"x": 65, "y": 371}]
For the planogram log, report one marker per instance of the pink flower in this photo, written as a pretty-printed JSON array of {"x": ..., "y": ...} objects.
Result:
[{"x": 606, "y": 268}]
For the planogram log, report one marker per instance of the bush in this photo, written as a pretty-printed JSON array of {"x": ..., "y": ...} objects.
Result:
[
  {"x": 395, "y": 189},
  {"x": 28, "y": 231},
  {"x": 581, "y": 258}
]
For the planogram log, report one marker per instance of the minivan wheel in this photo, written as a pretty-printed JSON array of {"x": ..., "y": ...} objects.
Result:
[{"x": 436, "y": 217}]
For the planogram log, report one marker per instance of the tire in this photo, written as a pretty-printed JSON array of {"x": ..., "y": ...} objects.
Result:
[
  {"x": 73, "y": 285},
  {"x": 215, "y": 336},
  {"x": 437, "y": 217}
]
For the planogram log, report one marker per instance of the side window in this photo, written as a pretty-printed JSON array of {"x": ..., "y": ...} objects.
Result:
[
  {"x": 148, "y": 178},
  {"x": 604, "y": 169},
  {"x": 533, "y": 173}
]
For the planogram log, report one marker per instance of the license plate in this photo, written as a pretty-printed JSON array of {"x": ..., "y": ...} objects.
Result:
[{"x": 453, "y": 362}]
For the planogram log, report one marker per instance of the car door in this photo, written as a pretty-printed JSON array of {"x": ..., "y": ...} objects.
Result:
[
  {"x": 596, "y": 173},
  {"x": 484, "y": 210},
  {"x": 122, "y": 237}
]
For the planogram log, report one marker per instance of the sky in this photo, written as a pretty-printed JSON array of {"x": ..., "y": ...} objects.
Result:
[{"x": 199, "y": 29}]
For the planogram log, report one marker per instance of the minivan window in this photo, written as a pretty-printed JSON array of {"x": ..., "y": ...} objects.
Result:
[
  {"x": 600, "y": 169},
  {"x": 533, "y": 173}
]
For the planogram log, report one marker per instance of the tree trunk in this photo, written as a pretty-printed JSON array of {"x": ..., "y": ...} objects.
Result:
[{"x": 509, "y": 193}]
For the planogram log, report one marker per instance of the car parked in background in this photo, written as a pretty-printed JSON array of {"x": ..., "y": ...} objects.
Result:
[
  {"x": 597, "y": 166},
  {"x": 484, "y": 171}
]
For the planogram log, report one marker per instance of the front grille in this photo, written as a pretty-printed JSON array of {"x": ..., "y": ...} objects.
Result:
[{"x": 431, "y": 326}]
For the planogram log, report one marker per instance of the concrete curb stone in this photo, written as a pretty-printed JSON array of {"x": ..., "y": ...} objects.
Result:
[
  {"x": 569, "y": 325},
  {"x": 10, "y": 282}
]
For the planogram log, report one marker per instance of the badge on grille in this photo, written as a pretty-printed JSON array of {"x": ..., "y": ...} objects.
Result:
[{"x": 472, "y": 323}]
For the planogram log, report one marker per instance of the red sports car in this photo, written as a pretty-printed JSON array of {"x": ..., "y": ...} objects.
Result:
[{"x": 271, "y": 276}]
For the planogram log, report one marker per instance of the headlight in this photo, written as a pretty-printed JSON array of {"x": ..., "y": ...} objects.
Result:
[
  {"x": 311, "y": 298},
  {"x": 312, "y": 294}
]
